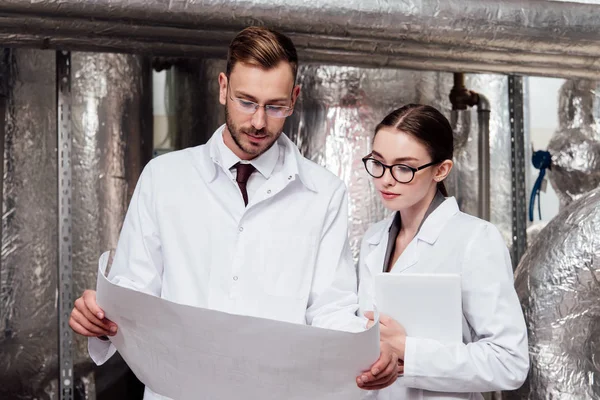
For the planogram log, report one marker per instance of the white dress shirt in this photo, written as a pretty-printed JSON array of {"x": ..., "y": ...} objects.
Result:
[
  {"x": 188, "y": 238},
  {"x": 494, "y": 353},
  {"x": 268, "y": 163}
]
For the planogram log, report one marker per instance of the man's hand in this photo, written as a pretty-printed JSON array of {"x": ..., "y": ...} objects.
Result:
[
  {"x": 88, "y": 319},
  {"x": 383, "y": 373}
]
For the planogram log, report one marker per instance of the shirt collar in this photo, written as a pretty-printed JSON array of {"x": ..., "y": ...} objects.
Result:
[
  {"x": 294, "y": 164},
  {"x": 223, "y": 156}
]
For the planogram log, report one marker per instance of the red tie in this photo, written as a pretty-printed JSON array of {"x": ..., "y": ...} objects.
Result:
[{"x": 243, "y": 173}]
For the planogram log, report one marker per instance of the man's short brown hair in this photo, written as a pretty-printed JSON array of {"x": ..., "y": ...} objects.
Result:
[{"x": 262, "y": 47}]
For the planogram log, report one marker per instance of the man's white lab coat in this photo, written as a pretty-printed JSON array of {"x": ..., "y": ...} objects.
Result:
[{"x": 188, "y": 238}]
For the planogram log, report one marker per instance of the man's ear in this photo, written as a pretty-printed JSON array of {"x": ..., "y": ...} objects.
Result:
[
  {"x": 295, "y": 94},
  {"x": 223, "y": 82}
]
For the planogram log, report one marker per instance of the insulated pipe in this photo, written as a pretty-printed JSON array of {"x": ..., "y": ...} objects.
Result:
[
  {"x": 557, "y": 282},
  {"x": 462, "y": 98},
  {"x": 575, "y": 145},
  {"x": 5, "y": 87},
  {"x": 111, "y": 124},
  {"x": 537, "y": 38},
  {"x": 549, "y": 24},
  {"x": 358, "y": 53},
  {"x": 28, "y": 316}
]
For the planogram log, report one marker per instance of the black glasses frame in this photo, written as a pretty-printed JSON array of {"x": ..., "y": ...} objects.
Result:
[{"x": 385, "y": 167}]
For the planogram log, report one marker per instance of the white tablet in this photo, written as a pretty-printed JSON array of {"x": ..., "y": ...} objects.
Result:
[{"x": 427, "y": 305}]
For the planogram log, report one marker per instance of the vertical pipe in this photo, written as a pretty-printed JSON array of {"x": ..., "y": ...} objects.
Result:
[
  {"x": 112, "y": 130},
  {"x": 198, "y": 111},
  {"x": 459, "y": 81},
  {"x": 28, "y": 296},
  {"x": 483, "y": 122},
  {"x": 110, "y": 127},
  {"x": 462, "y": 98},
  {"x": 4, "y": 90}
]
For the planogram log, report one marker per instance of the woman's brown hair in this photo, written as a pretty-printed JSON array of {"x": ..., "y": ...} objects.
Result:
[{"x": 428, "y": 126}]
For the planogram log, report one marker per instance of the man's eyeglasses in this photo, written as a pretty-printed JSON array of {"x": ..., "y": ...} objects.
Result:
[
  {"x": 250, "y": 107},
  {"x": 402, "y": 173}
]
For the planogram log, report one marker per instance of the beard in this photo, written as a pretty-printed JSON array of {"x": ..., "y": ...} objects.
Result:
[{"x": 240, "y": 138}]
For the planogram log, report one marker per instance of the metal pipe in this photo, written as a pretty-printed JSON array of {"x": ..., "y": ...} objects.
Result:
[
  {"x": 483, "y": 104},
  {"x": 557, "y": 284},
  {"x": 111, "y": 128},
  {"x": 5, "y": 86},
  {"x": 549, "y": 23},
  {"x": 28, "y": 305},
  {"x": 462, "y": 98},
  {"x": 407, "y": 56},
  {"x": 483, "y": 160},
  {"x": 191, "y": 37},
  {"x": 575, "y": 145},
  {"x": 537, "y": 38}
]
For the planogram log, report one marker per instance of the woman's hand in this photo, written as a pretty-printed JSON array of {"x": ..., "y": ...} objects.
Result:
[
  {"x": 383, "y": 373},
  {"x": 391, "y": 332}
]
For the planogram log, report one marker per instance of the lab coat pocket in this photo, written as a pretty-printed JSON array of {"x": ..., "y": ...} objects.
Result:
[{"x": 286, "y": 266}]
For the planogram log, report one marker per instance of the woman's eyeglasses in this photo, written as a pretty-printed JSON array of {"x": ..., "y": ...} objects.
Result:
[{"x": 402, "y": 173}]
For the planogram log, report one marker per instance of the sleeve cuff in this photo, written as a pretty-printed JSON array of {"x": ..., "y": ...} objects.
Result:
[
  {"x": 410, "y": 362},
  {"x": 100, "y": 350}
]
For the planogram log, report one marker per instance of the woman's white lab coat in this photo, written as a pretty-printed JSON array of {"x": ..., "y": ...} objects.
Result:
[{"x": 494, "y": 353}]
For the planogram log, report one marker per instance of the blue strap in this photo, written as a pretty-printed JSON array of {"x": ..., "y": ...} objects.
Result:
[{"x": 541, "y": 160}]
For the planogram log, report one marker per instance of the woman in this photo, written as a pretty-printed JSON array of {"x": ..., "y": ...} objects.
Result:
[{"x": 427, "y": 233}]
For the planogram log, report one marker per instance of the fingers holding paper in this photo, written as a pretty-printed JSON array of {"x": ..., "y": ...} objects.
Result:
[
  {"x": 383, "y": 373},
  {"x": 88, "y": 319},
  {"x": 390, "y": 331}
]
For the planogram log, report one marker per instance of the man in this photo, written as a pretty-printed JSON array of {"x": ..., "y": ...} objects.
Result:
[{"x": 243, "y": 224}]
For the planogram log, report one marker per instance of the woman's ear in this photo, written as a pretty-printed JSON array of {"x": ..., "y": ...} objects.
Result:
[{"x": 443, "y": 169}]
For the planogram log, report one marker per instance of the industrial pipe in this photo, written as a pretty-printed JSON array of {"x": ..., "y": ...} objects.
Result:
[
  {"x": 536, "y": 38},
  {"x": 462, "y": 98}
]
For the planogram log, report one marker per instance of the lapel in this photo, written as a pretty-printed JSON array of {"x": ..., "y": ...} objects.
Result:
[
  {"x": 378, "y": 246},
  {"x": 426, "y": 237},
  {"x": 408, "y": 258}
]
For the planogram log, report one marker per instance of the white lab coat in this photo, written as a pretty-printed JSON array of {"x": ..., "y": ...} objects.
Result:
[
  {"x": 494, "y": 355},
  {"x": 188, "y": 238}
]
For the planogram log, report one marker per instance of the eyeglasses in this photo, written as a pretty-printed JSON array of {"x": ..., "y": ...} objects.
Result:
[
  {"x": 250, "y": 107},
  {"x": 402, "y": 173}
]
